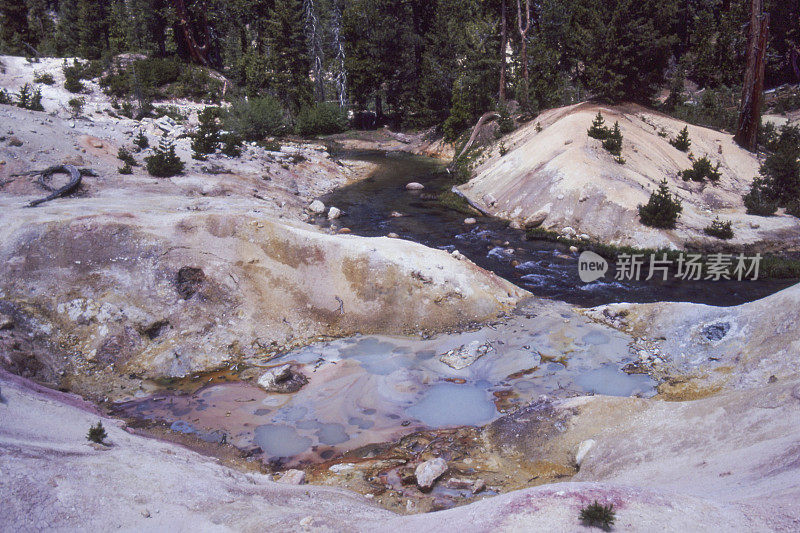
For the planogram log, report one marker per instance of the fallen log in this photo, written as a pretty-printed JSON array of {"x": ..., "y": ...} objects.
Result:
[
  {"x": 486, "y": 116},
  {"x": 44, "y": 175}
]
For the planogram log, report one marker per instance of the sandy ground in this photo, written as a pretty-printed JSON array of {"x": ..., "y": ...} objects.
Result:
[{"x": 554, "y": 173}]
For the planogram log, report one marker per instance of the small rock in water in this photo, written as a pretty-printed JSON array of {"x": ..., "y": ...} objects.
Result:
[
  {"x": 396, "y": 214},
  {"x": 465, "y": 355},
  {"x": 470, "y": 221},
  {"x": 428, "y": 472},
  {"x": 317, "y": 207},
  {"x": 345, "y": 230},
  {"x": 458, "y": 255},
  {"x": 478, "y": 486},
  {"x": 282, "y": 379},
  {"x": 393, "y": 236},
  {"x": 573, "y": 249},
  {"x": 334, "y": 213},
  {"x": 293, "y": 477},
  {"x": 568, "y": 232},
  {"x": 414, "y": 186}
]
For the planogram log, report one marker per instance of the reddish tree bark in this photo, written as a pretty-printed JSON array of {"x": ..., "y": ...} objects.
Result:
[
  {"x": 198, "y": 52},
  {"x": 753, "y": 86}
]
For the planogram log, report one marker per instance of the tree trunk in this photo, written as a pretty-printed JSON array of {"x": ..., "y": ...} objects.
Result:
[
  {"x": 503, "y": 46},
  {"x": 524, "y": 28},
  {"x": 753, "y": 86}
]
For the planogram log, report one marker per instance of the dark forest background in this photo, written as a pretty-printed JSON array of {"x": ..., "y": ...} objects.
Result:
[{"x": 417, "y": 63}]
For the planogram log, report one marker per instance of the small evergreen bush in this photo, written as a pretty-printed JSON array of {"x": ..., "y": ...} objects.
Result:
[
  {"x": 30, "y": 98},
  {"x": 682, "y": 141},
  {"x": 759, "y": 200},
  {"x": 126, "y": 169},
  {"x": 781, "y": 168},
  {"x": 701, "y": 170},
  {"x": 97, "y": 433},
  {"x": 73, "y": 74},
  {"x": 207, "y": 137},
  {"x": 76, "y": 105},
  {"x": 126, "y": 157},
  {"x": 598, "y": 130},
  {"x": 596, "y": 515},
  {"x": 164, "y": 163},
  {"x": 613, "y": 141},
  {"x": 321, "y": 119},
  {"x": 141, "y": 140},
  {"x": 505, "y": 124},
  {"x": 43, "y": 77},
  {"x": 256, "y": 118},
  {"x": 662, "y": 210},
  {"x": 5, "y": 98},
  {"x": 719, "y": 229},
  {"x": 503, "y": 149},
  {"x": 231, "y": 144}
]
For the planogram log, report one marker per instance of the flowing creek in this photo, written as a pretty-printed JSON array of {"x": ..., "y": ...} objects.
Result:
[{"x": 371, "y": 389}]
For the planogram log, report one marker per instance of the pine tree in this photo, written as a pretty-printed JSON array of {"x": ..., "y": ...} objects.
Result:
[
  {"x": 288, "y": 59},
  {"x": 97, "y": 433},
  {"x": 164, "y": 162},
  {"x": 662, "y": 210},
  {"x": 613, "y": 143},
  {"x": 598, "y": 130},
  {"x": 682, "y": 141},
  {"x": 14, "y": 32},
  {"x": 207, "y": 138}
]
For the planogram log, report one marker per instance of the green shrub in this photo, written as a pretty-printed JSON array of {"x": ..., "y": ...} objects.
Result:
[
  {"x": 43, "y": 77},
  {"x": 126, "y": 109},
  {"x": 781, "y": 168},
  {"x": 682, "y": 141},
  {"x": 126, "y": 169},
  {"x": 321, "y": 119},
  {"x": 503, "y": 149},
  {"x": 5, "y": 98},
  {"x": 170, "y": 111},
  {"x": 505, "y": 124},
  {"x": 456, "y": 202},
  {"x": 598, "y": 130},
  {"x": 73, "y": 74},
  {"x": 30, "y": 98},
  {"x": 231, "y": 144},
  {"x": 701, "y": 170},
  {"x": 793, "y": 208},
  {"x": 719, "y": 229},
  {"x": 759, "y": 200},
  {"x": 613, "y": 141},
  {"x": 207, "y": 137},
  {"x": 141, "y": 140},
  {"x": 256, "y": 118},
  {"x": 126, "y": 157},
  {"x": 97, "y": 433},
  {"x": 76, "y": 105},
  {"x": 164, "y": 162},
  {"x": 717, "y": 109},
  {"x": 662, "y": 210},
  {"x": 596, "y": 515}
]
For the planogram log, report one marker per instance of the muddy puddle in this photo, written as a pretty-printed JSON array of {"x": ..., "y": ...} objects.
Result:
[{"x": 372, "y": 389}]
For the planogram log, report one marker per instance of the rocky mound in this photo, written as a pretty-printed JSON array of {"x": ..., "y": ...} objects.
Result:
[
  {"x": 736, "y": 347},
  {"x": 556, "y": 176}
]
